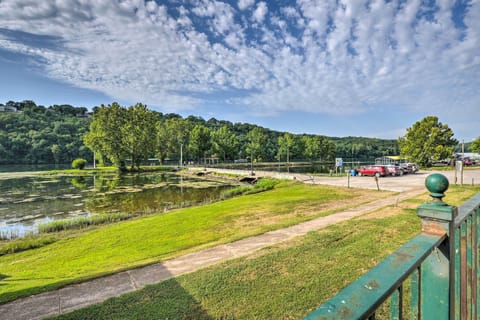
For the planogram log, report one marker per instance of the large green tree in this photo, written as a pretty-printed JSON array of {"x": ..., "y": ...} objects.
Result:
[
  {"x": 138, "y": 133},
  {"x": 162, "y": 139},
  {"x": 311, "y": 149},
  {"x": 200, "y": 141},
  {"x": 225, "y": 142},
  {"x": 285, "y": 145},
  {"x": 105, "y": 136},
  {"x": 257, "y": 143},
  {"x": 428, "y": 140},
  {"x": 327, "y": 148},
  {"x": 475, "y": 146},
  {"x": 172, "y": 138},
  {"x": 120, "y": 133},
  {"x": 318, "y": 148}
]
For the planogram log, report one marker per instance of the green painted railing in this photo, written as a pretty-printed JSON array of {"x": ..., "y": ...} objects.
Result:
[{"x": 433, "y": 276}]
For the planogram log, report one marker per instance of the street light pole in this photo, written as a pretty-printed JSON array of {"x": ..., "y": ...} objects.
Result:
[
  {"x": 181, "y": 155},
  {"x": 288, "y": 160},
  {"x": 251, "y": 163}
]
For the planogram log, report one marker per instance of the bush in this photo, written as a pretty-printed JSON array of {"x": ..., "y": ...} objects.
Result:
[{"x": 79, "y": 163}]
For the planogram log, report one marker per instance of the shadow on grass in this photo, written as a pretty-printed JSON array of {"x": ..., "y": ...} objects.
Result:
[
  {"x": 3, "y": 277},
  {"x": 164, "y": 300}
]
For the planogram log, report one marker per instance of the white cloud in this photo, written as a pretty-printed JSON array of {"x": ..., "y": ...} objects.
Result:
[
  {"x": 318, "y": 56},
  {"x": 244, "y": 4},
  {"x": 260, "y": 12}
]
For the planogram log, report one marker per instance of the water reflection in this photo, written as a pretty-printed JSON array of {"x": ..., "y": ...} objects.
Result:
[{"x": 29, "y": 201}]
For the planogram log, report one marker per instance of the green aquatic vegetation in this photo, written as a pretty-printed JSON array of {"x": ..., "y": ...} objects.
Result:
[
  {"x": 82, "y": 222},
  {"x": 29, "y": 242},
  {"x": 260, "y": 186}
]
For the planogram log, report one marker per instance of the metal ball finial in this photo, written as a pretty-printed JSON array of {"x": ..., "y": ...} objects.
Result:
[{"x": 437, "y": 184}]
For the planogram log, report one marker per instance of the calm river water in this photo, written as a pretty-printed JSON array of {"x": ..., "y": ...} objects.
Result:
[{"x": 28, "y": 201}]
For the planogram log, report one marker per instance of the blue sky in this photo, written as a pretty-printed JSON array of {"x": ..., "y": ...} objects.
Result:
[{"x": 332, "y": 67}]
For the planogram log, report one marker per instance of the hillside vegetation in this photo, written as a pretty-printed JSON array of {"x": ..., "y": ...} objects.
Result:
[{"x": 37, "y": 134}]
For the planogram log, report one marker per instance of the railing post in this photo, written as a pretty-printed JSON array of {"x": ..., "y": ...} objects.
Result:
[{"x": 437, "y": 272}]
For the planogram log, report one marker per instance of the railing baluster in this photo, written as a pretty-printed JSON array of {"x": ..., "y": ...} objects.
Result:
[
  {"x": 396, "y": 304},
  {"x": 463, "y": 271},
  {"x": 457, "y": 273},
  {"x": 469, "y": 268},
  {"x": 415, "y": 294}
]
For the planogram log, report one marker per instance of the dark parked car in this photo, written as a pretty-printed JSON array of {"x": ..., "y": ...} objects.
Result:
[
  {"x": 394, "y": 170},
  {"x": 379, "y": 171},
  {"x": 409, "y": 167}
]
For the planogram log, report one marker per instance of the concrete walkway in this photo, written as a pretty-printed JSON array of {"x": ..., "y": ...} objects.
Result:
[{"x": 92, "y": 292}]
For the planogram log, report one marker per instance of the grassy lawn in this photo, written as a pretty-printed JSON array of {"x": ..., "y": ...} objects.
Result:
[
  {"x": 281, "y": 282},
  {"x": 107, "y": 249},
  {"x": 285, "y": 281}
]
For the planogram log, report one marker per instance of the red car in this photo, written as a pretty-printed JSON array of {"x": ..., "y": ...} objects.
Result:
[{"x": 379, "y": 171}]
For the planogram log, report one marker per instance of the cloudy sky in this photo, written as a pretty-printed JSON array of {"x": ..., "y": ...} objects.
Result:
[{"x": 332, "y": 67}]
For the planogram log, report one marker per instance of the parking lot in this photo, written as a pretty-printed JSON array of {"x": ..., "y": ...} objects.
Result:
[{"x": 399, "y": 184}]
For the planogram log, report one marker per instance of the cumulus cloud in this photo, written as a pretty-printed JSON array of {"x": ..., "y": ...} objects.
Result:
[
  {"x": 260, "y": 12},
  {"x": 244, "y": 4},
  {"x": 325, "y": 56}
]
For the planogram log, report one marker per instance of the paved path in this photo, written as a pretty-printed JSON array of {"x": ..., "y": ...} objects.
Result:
[{"x": 92, "y": 292}]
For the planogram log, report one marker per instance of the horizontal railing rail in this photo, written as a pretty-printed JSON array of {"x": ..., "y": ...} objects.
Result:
[{"x": 433, "y": 276}]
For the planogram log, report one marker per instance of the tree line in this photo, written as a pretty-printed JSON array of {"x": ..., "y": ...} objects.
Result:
[{"x": 130, "y": 135}]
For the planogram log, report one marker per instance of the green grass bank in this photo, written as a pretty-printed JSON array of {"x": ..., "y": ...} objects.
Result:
[
  {"x": 285, "y": 281},
  {"x": 103, "y": 250}
]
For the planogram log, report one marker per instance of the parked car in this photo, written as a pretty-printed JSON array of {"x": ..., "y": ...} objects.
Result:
[
  {"x": 414, "y": 167},
  {"x": 409, "y": 167},
  {"x": 468, "y": 162},
  {"x": 394, "y": 170},
  {"x": 379, "y": 171}
]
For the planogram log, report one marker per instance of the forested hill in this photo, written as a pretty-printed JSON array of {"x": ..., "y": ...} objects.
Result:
[
  {"x": 31, "y": 134},
  {"x": 34, "y": 134}
]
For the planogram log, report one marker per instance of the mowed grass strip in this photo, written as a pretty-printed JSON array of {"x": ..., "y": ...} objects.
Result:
[
  {"x": 285, "y": 281},
  {"x": 112, "y": 248}
]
